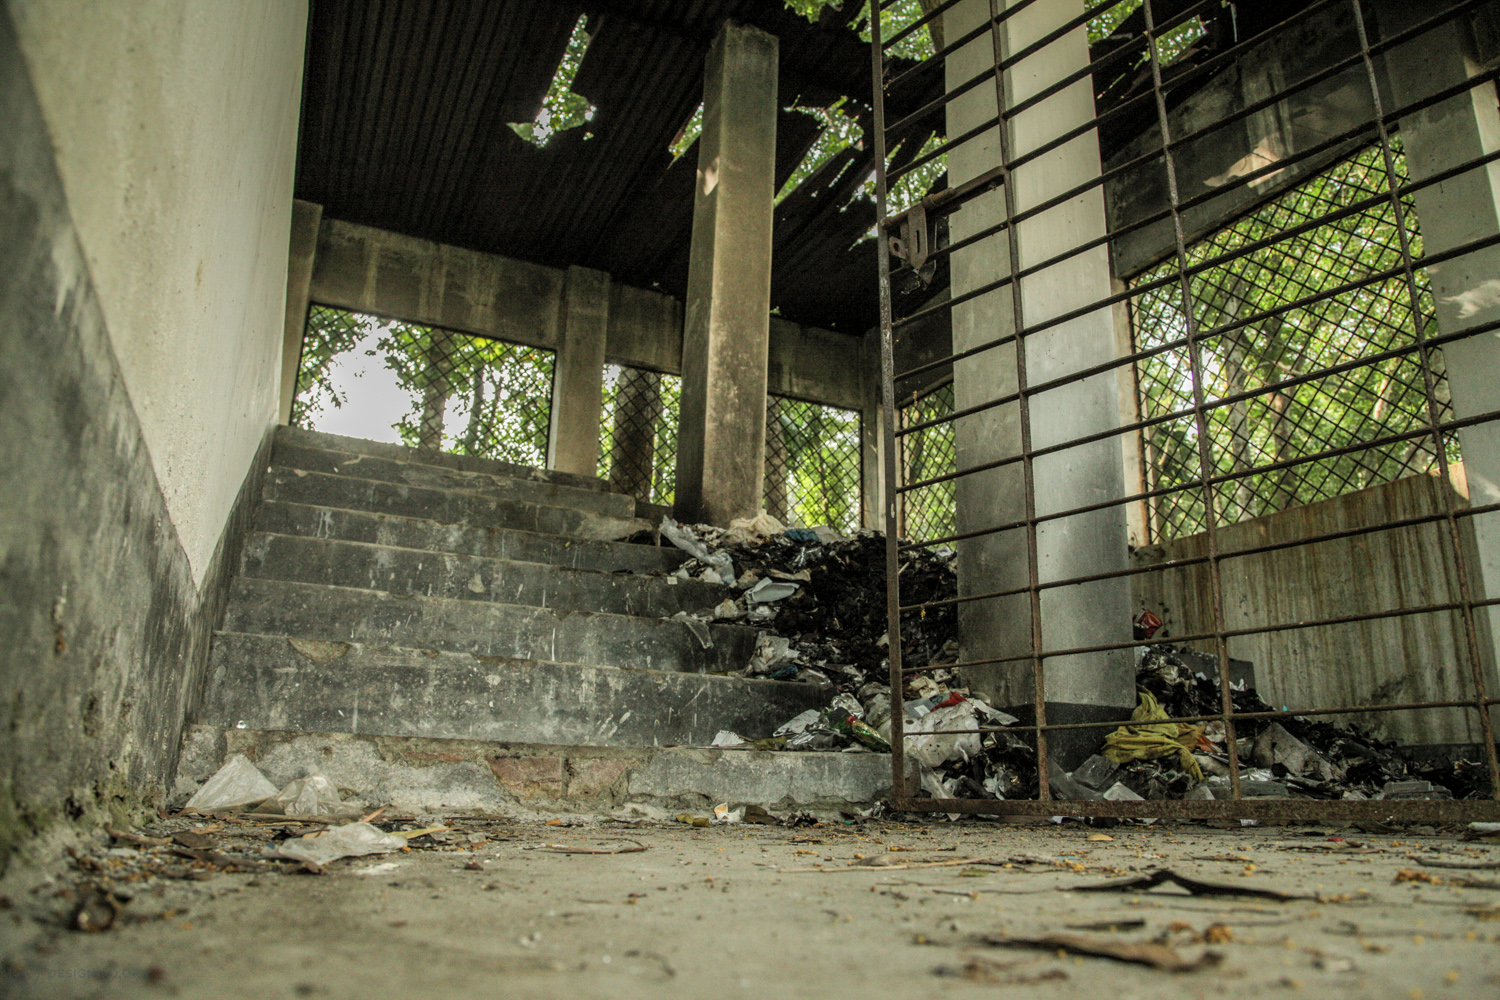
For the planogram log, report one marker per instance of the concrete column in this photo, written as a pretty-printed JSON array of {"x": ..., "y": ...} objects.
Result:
[
  {"x": 1084, "y": 687},
  {"x": 633, "y": 452},
  {"x": 1450, "y": 214},
  {"x": 578, "y": 373},
  {"x": 306, "y": 219},
  {"x": 721, "y": 443}
]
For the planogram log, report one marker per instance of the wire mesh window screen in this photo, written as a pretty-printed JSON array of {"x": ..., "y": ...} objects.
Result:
[
  {"x": 433, "y": 388},
  {"x": 812, "y": 464},
  {"x": 1348, "y": 408},
  {"x": 928, "y": 511},
  {"x": 638, "y": 432}
]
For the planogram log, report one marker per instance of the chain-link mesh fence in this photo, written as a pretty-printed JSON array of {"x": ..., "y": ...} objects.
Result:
[
  {"x": 460, "y": 393},
  {"x": 927, "y": 511},
  {"x": 1351, "y": 407},
  {"x": 638, "y": 432},
  {"x": 812, "y": 472}
]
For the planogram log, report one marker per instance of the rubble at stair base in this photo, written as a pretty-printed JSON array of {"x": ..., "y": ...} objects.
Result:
[{"x": 818, "y": 599}]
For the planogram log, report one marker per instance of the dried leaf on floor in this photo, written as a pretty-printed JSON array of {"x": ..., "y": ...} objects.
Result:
[{"x": 1157, "y": 956}]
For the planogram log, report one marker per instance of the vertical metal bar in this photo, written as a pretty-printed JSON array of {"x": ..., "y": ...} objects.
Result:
[
  {"x": 1434, "y": 411},
  {"x": 1195, "y": 369},
  {"x": 888, "y": 424},
  {"x": 1013, "y": 243}
]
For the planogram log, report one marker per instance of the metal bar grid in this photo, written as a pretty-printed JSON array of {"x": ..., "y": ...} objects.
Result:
[{"x": 1433, "y": 422}]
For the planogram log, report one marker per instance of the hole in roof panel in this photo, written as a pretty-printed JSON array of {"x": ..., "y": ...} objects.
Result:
[{"x": 561, "y": 108}]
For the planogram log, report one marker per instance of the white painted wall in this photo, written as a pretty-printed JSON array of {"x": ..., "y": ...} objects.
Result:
[{"x": 175, "y": 129}]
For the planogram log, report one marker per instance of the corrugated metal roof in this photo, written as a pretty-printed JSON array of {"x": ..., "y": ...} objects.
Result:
[{"x": 405, "y": 126}]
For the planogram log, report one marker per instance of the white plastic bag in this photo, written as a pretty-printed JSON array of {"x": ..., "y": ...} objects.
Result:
[
  {"x": 310, "y": 797},
  {"x": 349, "y": 841},
  {"x": 935, "y": 749},
  {"x": 237, "y": 783}
]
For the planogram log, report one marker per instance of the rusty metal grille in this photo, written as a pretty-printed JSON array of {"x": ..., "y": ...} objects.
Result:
[
  {"x": 927, "y": 511},
  {"x": 1295, "y": 343},
  {"x": 1330, "y": 414},
  {"x": 460, "y": 393},
  {"x": 812, "y": 474},
  {"x": 638, "y": 432}
]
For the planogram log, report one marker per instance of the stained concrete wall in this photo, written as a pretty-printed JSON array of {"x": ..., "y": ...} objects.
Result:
[
  {"x": 1407, "y": 659},
  {"x": 174, "y": 125},
  {"x": 403, "y": 277},
  {"x": 109, "y": 596}
]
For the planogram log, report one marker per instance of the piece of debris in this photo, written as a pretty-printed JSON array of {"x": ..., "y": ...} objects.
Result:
[
  {"x": 1162, "y": 876},
  {"x": 96, "y": 911},
  {"x": 1157, "y": 956},
  {"x": 351, "y": 840},
  {"x": 617, "y": 847}
]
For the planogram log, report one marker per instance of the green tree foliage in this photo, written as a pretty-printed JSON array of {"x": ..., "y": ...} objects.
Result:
[
  {"x": 812, "y": 464},
  {"x": 329, "y": 334},
  {"x": 638, "y": 432},
  {"x": 561, "y": 108},
  {"x": 1363, "y": 404}
]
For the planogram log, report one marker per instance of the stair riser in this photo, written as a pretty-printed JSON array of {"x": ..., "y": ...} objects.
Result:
[
  {"x": 382, "y": 619},
  {"x": 459, "y": 539},
  {"x": 446, "y": 506},
  {"x": 264, "y": 683},
  {"x": 467, "y": 578},
  {"x": 292, "y": 456}
]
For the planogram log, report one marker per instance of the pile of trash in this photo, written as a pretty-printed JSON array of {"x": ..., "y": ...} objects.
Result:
[{"x": 818, "y": 598}]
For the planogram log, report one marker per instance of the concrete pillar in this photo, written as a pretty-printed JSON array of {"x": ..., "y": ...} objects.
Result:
[
  {"x": 633, "y": 451},
  {"x": 1466, "y": 290},
  {"x": 306, "y": 219},
  {"x": 1085, "y": 687},
  {"x": 721, "y": 443},
  {"x": 578, "y": 373}
]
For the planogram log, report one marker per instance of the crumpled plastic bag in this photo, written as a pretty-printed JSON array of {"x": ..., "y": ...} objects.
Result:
[
  {"x": 743, "y": 530},
  {"x": 237, "y": 783},
  {"x": 768, "y": 590},
  {"x": 309, "y": 797},
  {"x": 932, "y": 748},
  {"x": 718, "y": 562},
  {"x": 349, "y": 841},
  {"x": 1130, "y": 743},
  {"x": 773, "y": 657}
]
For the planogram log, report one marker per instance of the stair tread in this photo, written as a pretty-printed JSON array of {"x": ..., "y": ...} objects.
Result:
[
  {"x": 446, "y": 506},
  {"x": 340, "y": 523},
  {"x": 301, "y": 437}
]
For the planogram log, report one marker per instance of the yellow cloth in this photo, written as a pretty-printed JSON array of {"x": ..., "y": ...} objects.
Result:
[{"x": 1145, "y": 742}]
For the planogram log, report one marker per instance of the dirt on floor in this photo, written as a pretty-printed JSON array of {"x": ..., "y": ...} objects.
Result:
[{"x": 867, "y": 909}]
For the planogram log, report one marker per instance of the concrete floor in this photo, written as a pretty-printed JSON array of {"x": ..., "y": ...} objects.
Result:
[{"x": 715, "y": 912}]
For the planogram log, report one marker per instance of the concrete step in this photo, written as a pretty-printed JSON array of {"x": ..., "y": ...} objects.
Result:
[
  {"x": 434, "y": 536},
  {"x": 291, "y": 455},
  {"x": 266, "y": 682},
  {"x": 444, "y": 505},
  {"x": 470, "y": 578},
  {"x": 373, "y": 617},
  {"x": 297, "y": 437},
  {"x": 457, "y": 777}
]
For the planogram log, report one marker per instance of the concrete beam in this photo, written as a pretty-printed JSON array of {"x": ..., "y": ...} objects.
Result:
[
  {"x": 306, "y": 219},
  {"x": 1082, "y": 687},
  {"x": 727, "y": 331},
  {"x": 578, "y": 373}
]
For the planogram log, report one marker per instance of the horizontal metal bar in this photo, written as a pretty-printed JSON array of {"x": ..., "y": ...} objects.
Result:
[
  {"x": 1263, "y": 809},
  {"x": 1173, "y": 564}
]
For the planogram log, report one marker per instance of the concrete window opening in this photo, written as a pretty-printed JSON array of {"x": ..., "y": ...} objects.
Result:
[
  {"x": 813, "y": 471},
  {"x": 423, "y": 387},
  {"x": 638, "y": 433},
  {"x": 1174, "y": 318},
  {"x": 1345, "y": 231}
]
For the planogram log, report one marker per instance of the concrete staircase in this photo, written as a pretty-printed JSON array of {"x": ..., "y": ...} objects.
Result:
[{"x": 389, "y": 595}]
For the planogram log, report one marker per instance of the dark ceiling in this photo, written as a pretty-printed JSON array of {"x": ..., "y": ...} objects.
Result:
[
  {"x": 405, "y": 119},
  {"x": 406, "y": 105}
]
